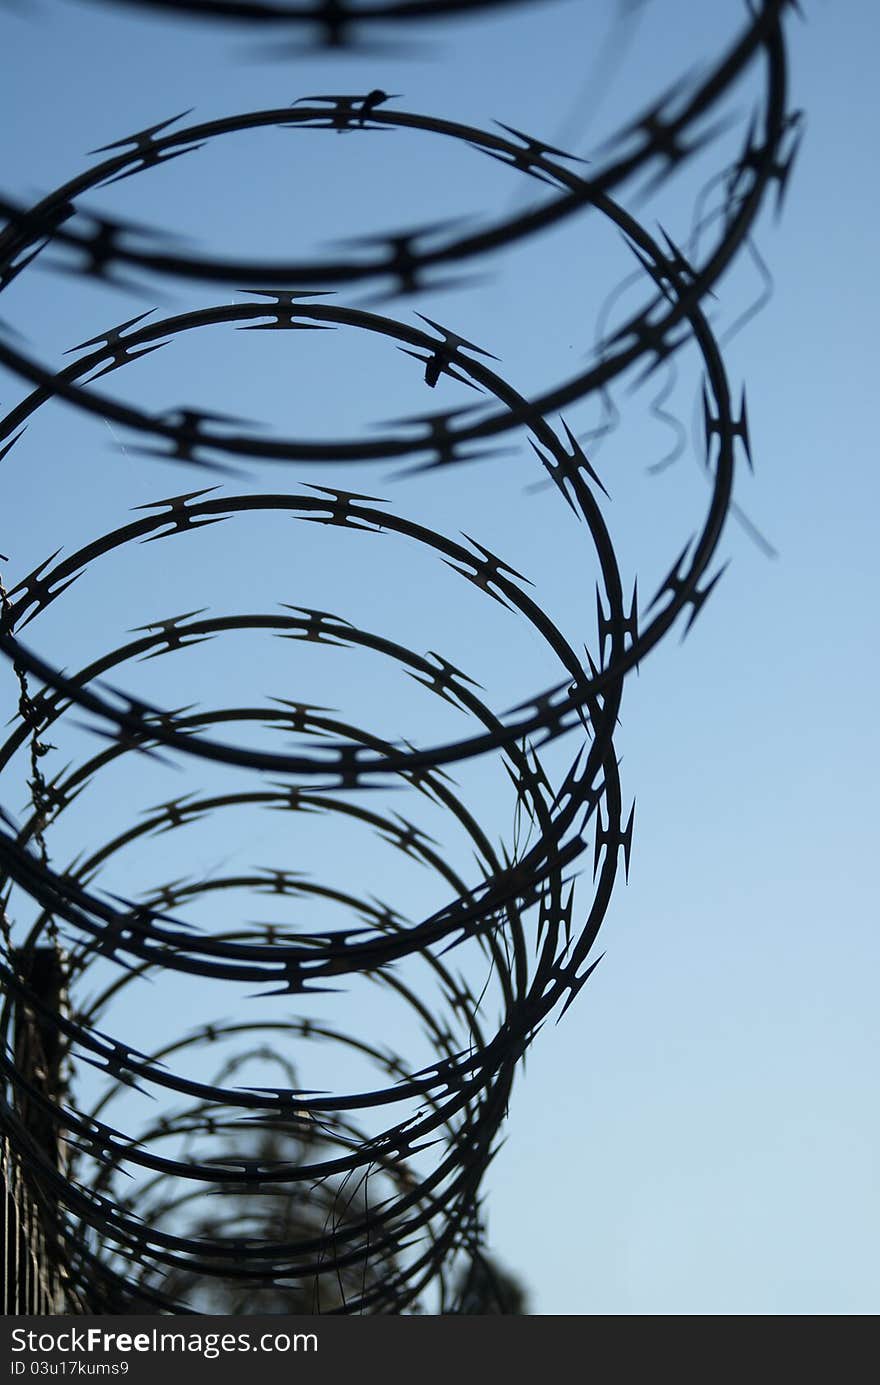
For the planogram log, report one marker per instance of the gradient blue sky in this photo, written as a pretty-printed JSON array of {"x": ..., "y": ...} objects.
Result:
[{"x": 700, "y": 1135}]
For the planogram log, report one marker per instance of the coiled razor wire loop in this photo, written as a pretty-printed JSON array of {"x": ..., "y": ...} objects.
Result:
[
  {"x": 664, "y": 135},
  {"x": 360, "y": 1198},
  {"x": 334, "y": 23},
  {"x": 763, "y": 160}
]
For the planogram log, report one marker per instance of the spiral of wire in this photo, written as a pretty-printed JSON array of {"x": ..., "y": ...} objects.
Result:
[{"x": 364, "y": 1195}]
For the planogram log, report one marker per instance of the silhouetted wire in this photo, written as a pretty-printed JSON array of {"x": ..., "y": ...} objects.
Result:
[{"x": 362, "y": 1200}]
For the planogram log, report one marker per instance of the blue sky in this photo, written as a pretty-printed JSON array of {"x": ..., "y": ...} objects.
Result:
[{"x": 700, "y": 1134}]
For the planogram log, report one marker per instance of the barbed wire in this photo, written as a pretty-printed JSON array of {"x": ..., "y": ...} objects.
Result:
[{"x": 360, "y": 1199}]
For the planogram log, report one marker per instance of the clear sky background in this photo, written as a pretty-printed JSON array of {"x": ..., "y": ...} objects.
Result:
[{"x": 700, "y": 1135}]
